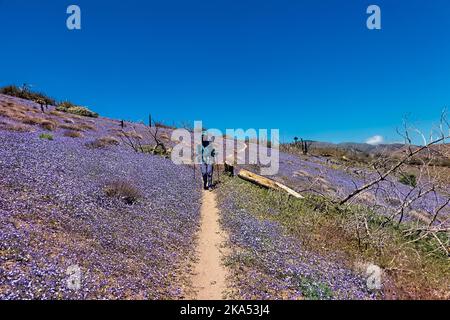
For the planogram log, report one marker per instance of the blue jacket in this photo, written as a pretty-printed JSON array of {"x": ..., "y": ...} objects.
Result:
[{"x": 205, "y": 154}]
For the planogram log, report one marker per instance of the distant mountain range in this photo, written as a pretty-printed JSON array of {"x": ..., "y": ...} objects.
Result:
[
  {"x": 440, "y": 152},
  {"x": 356, "y": 147}
]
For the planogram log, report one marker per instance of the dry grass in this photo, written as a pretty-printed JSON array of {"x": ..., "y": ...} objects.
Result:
[
  {"x": 71, "y": 127},
  {"x": 77, "y": 127},
  {"x": 68, "y": 120},
  {"x": 6, "y": 113},
  {"x": 124, "y": 191},
  {"x": 12, "y": 114},
  {"x": 33, "y": 121},
  {"x": 49, "y": 125},
  {"x": 73, "y": 134},
  {"x": 165, "y": 137},
  {"x": 57, "y": 114},
  {"x": 411, "y": 270},
  {"x": 87, "y": 127},
  {"x": 165, "y": 126},
  {"x": 103, "y": 142},
  {"x": 131, "y": 134},
  {"x": 48, "y": 121},
  {"x": 16, "y": 127}
]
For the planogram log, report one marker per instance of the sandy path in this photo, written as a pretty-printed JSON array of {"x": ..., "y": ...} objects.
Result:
[{"x": 210, "y": 275}]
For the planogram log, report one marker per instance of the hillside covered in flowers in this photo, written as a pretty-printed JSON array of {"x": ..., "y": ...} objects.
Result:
[{"x": 87, "y": 194}]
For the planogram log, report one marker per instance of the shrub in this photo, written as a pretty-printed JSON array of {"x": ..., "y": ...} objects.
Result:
[
  {"x": 103, "y": 142},
  {"x": 12, "y": 114},
  {"x": 71, "y": 127},
  {"x": 5, "y": 113},
  {"x": 131, "y": 134},
  {"x": 77, "y": 127},
  {"x": 27, "y": 94},
  {"x": 46, "y": 136},
  {"x": 146, "y": 148},
  {"x": 15, "y": 127},
  {"x": 443, "y": 162},
  {"x": 85, "y": 126},
  {"x": 156, "y": 150},
  {"x": 57, "y": 113},
  {"x": 83, "y": 111},
  {"x": 164, "y": 126},
  {"x": 69, "y": 107},
  {"x": 31, "y": 121},
  {"x": 408, "y": 179},
  {"x": 73, "y": 134},
  {"x": 165, "y": 137},
  {"x": 70, "y": 121},
  {"x": 124, "y": 191},
  {"x": 64, "y": 106},
  {"x": 48, "y": 125}
]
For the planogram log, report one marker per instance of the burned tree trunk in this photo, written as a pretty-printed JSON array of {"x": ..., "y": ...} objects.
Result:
[
  {"x": 229, "y": 169},
  {"x": 267, "y": 183}
]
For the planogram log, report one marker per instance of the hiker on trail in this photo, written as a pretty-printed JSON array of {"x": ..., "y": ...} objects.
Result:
[{"x": 205, "y": 156}]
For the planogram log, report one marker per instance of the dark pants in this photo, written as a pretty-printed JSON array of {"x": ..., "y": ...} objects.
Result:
[{"x": 207, "y": 174}]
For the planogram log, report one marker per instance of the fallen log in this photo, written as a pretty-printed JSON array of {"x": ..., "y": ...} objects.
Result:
[{"x": 267, "y": 183}]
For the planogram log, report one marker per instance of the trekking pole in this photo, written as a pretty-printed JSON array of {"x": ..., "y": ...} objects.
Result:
[
  {"x": 193, "y": 166},
  {"x": 218, "y": 175}
]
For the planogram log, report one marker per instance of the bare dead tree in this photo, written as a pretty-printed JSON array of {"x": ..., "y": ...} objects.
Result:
[
  {"x": 187, "y": 125},
  {"x": 140, "y": 142},
  {"x": 411, "y": 152},
  {"x": 153, "y": 132},
  {"x": 306, "y": 144},
  {"x": 132, "y": 139},
  {"x": 315, "y": 183},
  {"x": 41, "y": 103},
  {"x": 425, "y": 200}
]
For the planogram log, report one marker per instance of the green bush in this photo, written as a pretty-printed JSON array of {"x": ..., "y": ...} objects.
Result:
[
  {"x": 155, "y": 150},
  {"x": 408, "y": 179},
  {"x": 65, "y": 106},
  {"x": 46, "y": 136},
  {"x": 69, "y": 107}
]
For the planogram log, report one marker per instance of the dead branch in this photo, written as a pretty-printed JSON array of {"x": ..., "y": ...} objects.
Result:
[
  {"x": 393, "y": 169},
  {"x": 267, "y": 183}
]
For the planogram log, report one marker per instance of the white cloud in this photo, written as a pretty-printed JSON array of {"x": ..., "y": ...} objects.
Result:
[{"x": 375, "y": 140}]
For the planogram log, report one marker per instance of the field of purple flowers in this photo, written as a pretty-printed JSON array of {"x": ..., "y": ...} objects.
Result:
[
  {"x": 318, "y": 175},
  {"x": 74, "y": 194},
  {"x": 268, "y": 263},
  {"x": 283, "y": 248},
  {"x": 56, "y": 211}
]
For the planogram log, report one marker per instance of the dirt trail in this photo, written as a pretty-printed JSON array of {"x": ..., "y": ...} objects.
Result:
[{"x": 210, "y": 275}]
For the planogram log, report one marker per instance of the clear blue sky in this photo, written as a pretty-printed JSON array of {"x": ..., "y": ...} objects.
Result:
[{"x": 310, "y": 68}]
